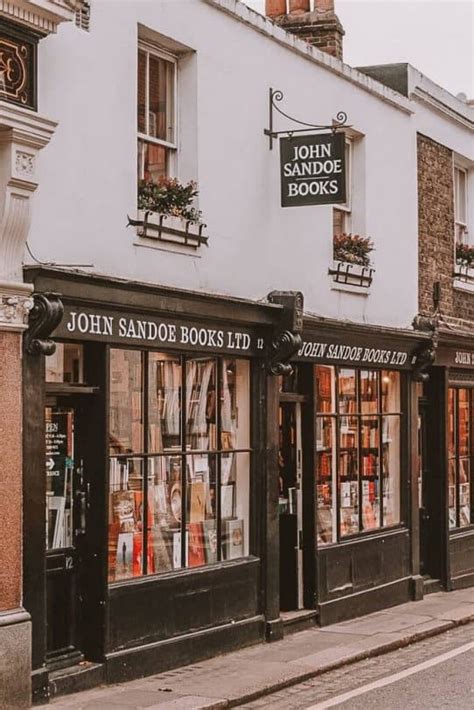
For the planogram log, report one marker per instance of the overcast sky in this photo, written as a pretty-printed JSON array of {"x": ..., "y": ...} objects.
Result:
[{"x": 436, "y": 36}]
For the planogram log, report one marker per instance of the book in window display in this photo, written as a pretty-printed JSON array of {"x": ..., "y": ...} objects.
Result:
[
  {"x": 227, "y": 501},
  {"x": 233, "y": 539},
  {"x": 124, "y": 559},
  {"x": 210, "y": 540},
  {"x": 196, "y": 545}
]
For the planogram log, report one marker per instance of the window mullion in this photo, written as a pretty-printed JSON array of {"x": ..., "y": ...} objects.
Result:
[
  {"x": 359, "y": 439},
  {"x": 218, "y": 459},
  {"x": 146, "y": 462},
  {"x": 183, "y": 461},
  {"x": 336, "y": 496}
]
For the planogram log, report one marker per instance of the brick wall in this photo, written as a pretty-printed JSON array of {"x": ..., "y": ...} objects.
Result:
[{"x": 436, "y": 232}]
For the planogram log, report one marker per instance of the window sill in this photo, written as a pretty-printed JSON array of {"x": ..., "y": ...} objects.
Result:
[
  {"x": 168, "y": 231},
  {"x": 351, "y": 278},
  {"x": 463, "y": 278}
]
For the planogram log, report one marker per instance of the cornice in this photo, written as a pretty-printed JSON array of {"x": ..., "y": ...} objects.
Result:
[
  {"x": 42, "y": 16},
  {"x": 24, "y": 125}
]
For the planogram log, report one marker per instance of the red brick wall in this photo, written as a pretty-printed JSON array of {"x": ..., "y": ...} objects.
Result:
[{"x": 436, "y": 232}]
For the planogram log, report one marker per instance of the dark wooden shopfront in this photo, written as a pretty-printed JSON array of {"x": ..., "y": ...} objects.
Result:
[
  {"x": 368, "y": 563},
  {"x": 446, "y": 470},
  {"x": 130, "y": 625}
]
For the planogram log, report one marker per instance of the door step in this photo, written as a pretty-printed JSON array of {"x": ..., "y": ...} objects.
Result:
[
  {"x": 74, "y": 679},
  {"x": 299, "y": 620},
  {"x": 431, "y": 586}
]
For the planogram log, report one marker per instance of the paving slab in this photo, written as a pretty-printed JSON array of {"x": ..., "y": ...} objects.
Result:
[{"x": 236, "y": 678}]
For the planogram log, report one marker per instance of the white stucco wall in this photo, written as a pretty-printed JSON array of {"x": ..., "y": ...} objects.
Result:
[{"x": 88, "y": 173}]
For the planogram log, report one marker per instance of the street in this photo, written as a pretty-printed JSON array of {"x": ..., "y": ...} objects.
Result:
[{"x": 436, "y": 673}]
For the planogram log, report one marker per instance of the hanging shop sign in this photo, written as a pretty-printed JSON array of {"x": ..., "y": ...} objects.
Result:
[
  {"x": 155, "y": 331},
  {"x": 313, "y": 170}
]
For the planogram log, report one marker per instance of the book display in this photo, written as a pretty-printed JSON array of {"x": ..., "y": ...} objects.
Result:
[
  {"x": 191, "y": 457},
  {"x": 357, "y": 451},
  {"x": 460, "y": 455}
]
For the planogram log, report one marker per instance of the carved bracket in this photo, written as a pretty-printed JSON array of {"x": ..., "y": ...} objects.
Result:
[
  {"x": 287, "y": 339},
  {"x": 425, "y": 355},
  {"x": 44, "y": 318}
]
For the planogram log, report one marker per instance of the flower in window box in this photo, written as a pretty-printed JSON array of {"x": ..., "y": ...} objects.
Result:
[
  {"x": 465, "y": 255},
  {"x": 352, "y": 249},
  {"x": 169, "y": 197}
]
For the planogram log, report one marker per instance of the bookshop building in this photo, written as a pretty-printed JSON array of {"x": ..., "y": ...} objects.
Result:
[{"x": 192, "y": 498}]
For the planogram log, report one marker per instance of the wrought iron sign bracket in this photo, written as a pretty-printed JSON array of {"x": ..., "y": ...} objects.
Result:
[{"x": 275, "y": 96}]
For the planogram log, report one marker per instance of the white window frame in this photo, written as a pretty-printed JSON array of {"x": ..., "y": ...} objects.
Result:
[
  {"x": 346, "y": 206},
  {"x": 460, "y": 226},
  {"x": 170, "y": 145}
]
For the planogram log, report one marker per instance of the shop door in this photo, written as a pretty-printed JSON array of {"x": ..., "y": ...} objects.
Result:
[
  {"x": 290, "y": 464},
  {"x": 425, "y": 493},
  {"x": 66, "y": 530}
]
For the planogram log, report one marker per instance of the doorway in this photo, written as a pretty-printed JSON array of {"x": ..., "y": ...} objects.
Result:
[
  {"x": 67, "y": 530},
  {"x": 290, "y": 463}
]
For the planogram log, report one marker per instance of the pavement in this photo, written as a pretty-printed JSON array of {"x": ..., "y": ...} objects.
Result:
[{"x": 237, "y": 678}]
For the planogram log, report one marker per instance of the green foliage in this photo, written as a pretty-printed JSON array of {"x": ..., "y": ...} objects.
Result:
[
  {"x": 353, "y": 249},
  {"x": 168, "y": 196},
  {"x": 465, "y": 255}
]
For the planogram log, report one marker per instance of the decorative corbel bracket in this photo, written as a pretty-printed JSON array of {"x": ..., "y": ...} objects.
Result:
[
  {"x": 425, "y": 355},
  {"x": 45, "y": 317},
  {"x": 287, "y": 338}
]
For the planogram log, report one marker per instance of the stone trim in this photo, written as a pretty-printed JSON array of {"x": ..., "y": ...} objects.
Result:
[
  {"x": 15, "y": 305},
  {"x": 43, "y": 16}
]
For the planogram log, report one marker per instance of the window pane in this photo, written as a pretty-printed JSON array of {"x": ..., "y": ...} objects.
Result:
[
  {"x": 325, "y": 389},
  {"x": 338, "y": 222},
  {"x": 452, "y": 427},
  {"x": 141, "y": 91},
  {"x": 165, "y": 512},
  {"x": 164, "y": 402},
  {"x": 201, "y": 526},
  {"x": 368, "y": 392},
  {"x": 325, "y": 470},
  {"x": 60, "y": 474},
  {"x": 391, "y": 470},
  {"x": 201, "y": 431},
  {"x": 125, "y": 518},
  {"x": 348, "y": 475},
  {"x": 463, "y": 423},
  {"x": 66, "y": 364},
  {"x": 152, "y": 161},
  {"x": 370, "y": 472},
  {"x": 390, "y": 391},
  {"x": 235, "y": 497},
  {"x": 460, "y": 201},
  {"x": 126, "y": 406},
  {"x": 235, "y": 404},
  {"x": 347, "y": 391},
  {"x": 464, "y": 492},
  {"x": 161, "y": 106}
]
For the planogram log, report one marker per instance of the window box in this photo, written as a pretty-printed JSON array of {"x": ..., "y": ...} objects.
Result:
[
  {"x": 349, "y": 274},
  {"x": 169, "y": 228},
  {"x": 464, "y": 272}
]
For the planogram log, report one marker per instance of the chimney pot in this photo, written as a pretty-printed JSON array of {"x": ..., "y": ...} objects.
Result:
[
  {"x": 299, "y": 6},
  {"x": 275, "y": 8}
]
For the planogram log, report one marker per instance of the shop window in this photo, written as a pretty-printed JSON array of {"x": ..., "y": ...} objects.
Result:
[
  {"x": 179, "y": 462},
  {"x": 156, "y": 113},
  {"x": 460, "y": 205},
  {"x": 358, "y": 420},
  {"x": 460, "y": 455},
  {"x": 66, "y": 364}
]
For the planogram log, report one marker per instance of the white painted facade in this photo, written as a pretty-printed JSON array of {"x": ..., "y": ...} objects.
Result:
[{"x": 229, "y": 58}]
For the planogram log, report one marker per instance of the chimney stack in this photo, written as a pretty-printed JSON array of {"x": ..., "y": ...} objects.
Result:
[{"x": 313, "y": 21}]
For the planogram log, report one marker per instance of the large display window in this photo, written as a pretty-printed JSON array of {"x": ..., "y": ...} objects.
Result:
[
  {"x": 460, "y": 455},
  {"x": 358, "y": 421},
  {"x": 179, "y": 461}
]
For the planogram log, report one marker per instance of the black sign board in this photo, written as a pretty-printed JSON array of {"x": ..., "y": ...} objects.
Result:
[
  {"x": 313, "y": 170},
  {"x": 357, "y": 351},
  {"x": 457, "y": 358},
  {"x": 158, "y": 332}
]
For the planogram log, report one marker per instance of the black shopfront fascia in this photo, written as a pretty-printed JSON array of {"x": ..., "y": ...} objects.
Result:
[
  {"x": 450, "y": 554},
  {"x": 133, "y": 628},
  {"x": 373, "y": 569}
]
